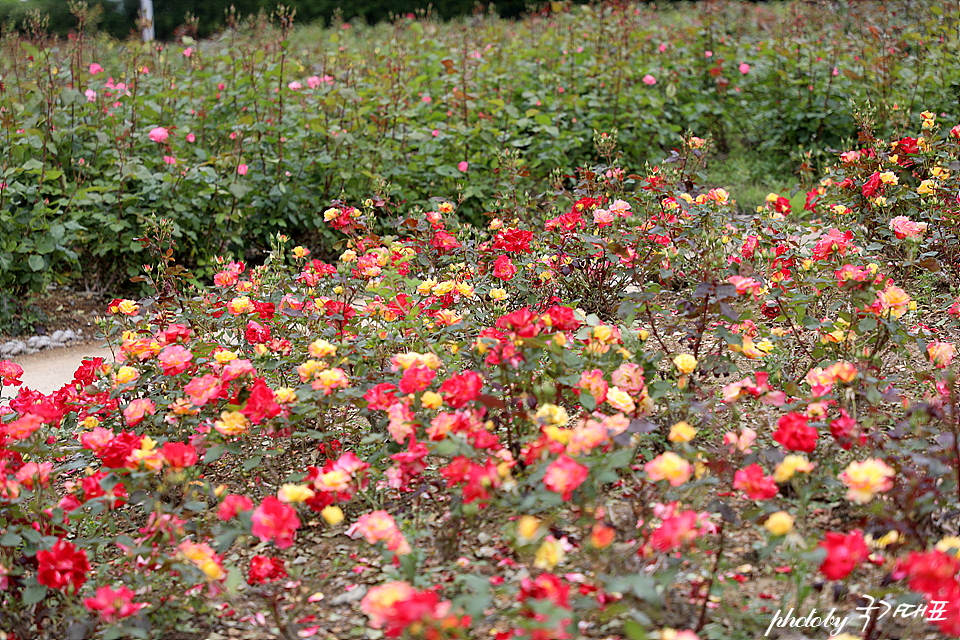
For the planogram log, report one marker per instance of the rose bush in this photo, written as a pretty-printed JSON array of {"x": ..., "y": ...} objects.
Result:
[
  {"x": 239, "y": 137},
  {"x": 595, "y": 424}
]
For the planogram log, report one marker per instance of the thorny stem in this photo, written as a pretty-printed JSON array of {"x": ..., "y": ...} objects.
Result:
[
  {"x": 956, "y": 432},
  {"x": 656, "y": 334},
  {"x": 713, "y": 575},
  {"x": 794, "y": 330},
  {"x": 701, "y": 326}
]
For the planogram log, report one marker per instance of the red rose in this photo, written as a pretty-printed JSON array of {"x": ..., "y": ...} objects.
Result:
[
  {"x": 416, "y": 379},
  {"x": 175, "y": 332},
  {"x": 444, "y": 242},
  {"x": 844, "y": 553},
  {"x": 754, "y": 483},
  {"x": 261, "y": 403},
  {"x": 179, "y": 455},
  {"x": 232, "y": 505},
  {"x": 907, "y": 146},
  {"x": 461, "y": 389},
  {"x": 513, "y": 241},
  {"x": 929, "y": 572},
  {"x": 523, "y": 322},
  {"x": 62, "y": 565},
  {"x": 114, "y": 454},
  {"x": 504, "y": 268},
  {"x": 337, "y": 308},
  {"x": 87, "y": 372},
  {"x": 273, "y": 520},
  {"x": 264, "y": 569},
  {"x": 257, "y": 333},
  {"x": 794, "y": 434},
  {"x": 561, "y": 318},
  {"x": 871, "y": 185},
  {"x": 547, "y": 587},
  {"x": 265, "y": 310},
  {"x": 782, "y": 205},
  {"x": 844, "y": 430},
  {"x": 381, "y": 396}
]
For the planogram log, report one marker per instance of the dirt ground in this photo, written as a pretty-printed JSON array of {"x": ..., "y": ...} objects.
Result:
[{"x": 50, "y": 369}]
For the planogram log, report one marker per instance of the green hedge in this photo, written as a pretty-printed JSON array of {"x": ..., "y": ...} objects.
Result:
[
  {"x": 119, "y": 16},
  {"x": 407, "y": 103}
]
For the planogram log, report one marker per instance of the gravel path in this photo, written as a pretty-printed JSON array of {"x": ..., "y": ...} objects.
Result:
[{"x": 48, "y": 370}]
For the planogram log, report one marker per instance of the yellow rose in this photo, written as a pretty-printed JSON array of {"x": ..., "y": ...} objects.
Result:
[
  {"x": 527, "y": 528},
  {"x": 669, "y": 466},
  {"x": 779, "y": 523},
  {"x": 321, "y": 348},
  {"x": 552, "y": 414},
  {"x": 128, "y": 307},
  {"x": 620, "y": 400},
  {"x": 791, "y": 465},
  {"x": 425, "y": 287},
  {"x": 231, "y": 423},
  {"x": 681, "y": 432},
  {"x": 865, "y": 479},
  {"x": 332, "y": 514},
  {"x": 285, "y": 395},
  {"x": 685, "y": 363},
  {"x": 294, "y": 493},
  {"x": 224, "y": 356},
  {"x": 549, "y": 555},
  {"x": 950, "y": 545},
  {"x": 603, "y": 333},
  {"x": 444, "y": 287},
  {"x": 431, "y": 400},
  {"x": 126, "y": 374},
  {"x": 498, "y": 294}
]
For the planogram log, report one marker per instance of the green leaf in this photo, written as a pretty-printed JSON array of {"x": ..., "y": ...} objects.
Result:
[
  {"x": 238, "y": 190},
  {"x": 233, "y": 581},
  {"x": 10, "y": 539},
  {"x": 36, "y": 262},
  {"x": 867, "y": 325},
  {"x": 619, "y": 459},
  {"x": 213, "y": 454},
  {"x": 588, "y": 401},
  {"x": 634, "y": 630},
  {"x": 35, "y": 594}
]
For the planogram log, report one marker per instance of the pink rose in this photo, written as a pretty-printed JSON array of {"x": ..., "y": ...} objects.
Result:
[
  {"x": 744, "y": 68},
  {"x": 463, "y": 166},
  {"x": 242, "y": 169},
  {"x": 159, "y": 134},
  {"x": 649, "y": 80}
]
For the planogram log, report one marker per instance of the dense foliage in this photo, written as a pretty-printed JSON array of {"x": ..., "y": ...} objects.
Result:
[
  {"x": 609, "y": 423},
  {"x": 119, "y": 17},
  {"x": 253, "y": 132}
]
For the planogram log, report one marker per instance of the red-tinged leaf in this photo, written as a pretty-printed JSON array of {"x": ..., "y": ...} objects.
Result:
[{"x": 491, "y": 402}]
